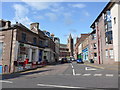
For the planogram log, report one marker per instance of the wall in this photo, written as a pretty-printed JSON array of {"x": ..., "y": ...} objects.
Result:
[{"x": 116, "y": 31}]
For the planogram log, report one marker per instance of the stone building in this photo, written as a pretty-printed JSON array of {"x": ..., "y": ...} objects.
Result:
[
  {"x": 22, "y": 48},
  {"x": 70, "y": 45},
  {"x": 64, "y": 51},
  {"x": 79, "y": 45},
  {"x": 92, "y": 46}
]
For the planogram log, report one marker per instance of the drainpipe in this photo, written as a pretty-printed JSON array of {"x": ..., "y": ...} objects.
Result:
[
  {"x": 98, "y": 43},
  {"x": 11, "y": 50}
]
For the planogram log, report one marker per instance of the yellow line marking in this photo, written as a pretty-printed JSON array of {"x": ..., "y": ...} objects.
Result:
[{"x": 94, "y": 66}]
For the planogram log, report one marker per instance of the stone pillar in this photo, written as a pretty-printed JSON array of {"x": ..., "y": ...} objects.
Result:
[{"x": 30, "y": 55}]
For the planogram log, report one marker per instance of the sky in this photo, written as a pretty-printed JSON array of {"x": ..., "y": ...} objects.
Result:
[{"x": 60, "y": 18}]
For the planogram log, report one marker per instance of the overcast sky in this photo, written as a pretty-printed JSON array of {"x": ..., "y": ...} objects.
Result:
[{"x": 60, "y": 18}]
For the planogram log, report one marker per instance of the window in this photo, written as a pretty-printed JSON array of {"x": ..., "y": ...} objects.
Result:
[
  {"x": 34, "y": 40},
  {"x": 94, "y": 46},
  {"x": 41, "y": 43},
  {"x": 109, "y": 38},
  {"x": 106, "y": 53},
  {"x": 109, "y": 26},
  {"x": 93, "y": 36},
  {"x": 111, "y": 53},
  {"x": 114, "y": 20},
  {"x": 1, "y": 50},
  {"x": 23, "y": 37},
  {"x": 46, "y": 43},
  {"x": 95, "y": 54}
]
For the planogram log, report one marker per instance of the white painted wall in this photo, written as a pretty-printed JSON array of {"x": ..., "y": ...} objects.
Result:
[
  {"x": 119, "y": 31},
  {"x": 116, "y": 34},
  {"x": 80, "y": 49}
]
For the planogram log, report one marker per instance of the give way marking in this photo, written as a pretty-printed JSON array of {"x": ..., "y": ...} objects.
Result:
[
  {"x": 89, "y": 68},
  {"x": 57, "y": 86},
  {"x": 3, "y": 81}
]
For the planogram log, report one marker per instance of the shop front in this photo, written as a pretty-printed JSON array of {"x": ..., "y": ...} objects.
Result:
[
  {"x": 1, "y": 51},
  {"x": 27, "y": 57},
  {"x": 85, "y": 54}
]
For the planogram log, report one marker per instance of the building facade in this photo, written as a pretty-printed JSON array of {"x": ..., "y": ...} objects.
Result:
[
  {"x": 64, "y": 51},
  {"x": 107, "y": 32},
  {"x": 70, "y": 45},
  {"x": 92, "y": 46},
  {"x": 22, "y": 48},
  {"x": 79, "y": 47}
]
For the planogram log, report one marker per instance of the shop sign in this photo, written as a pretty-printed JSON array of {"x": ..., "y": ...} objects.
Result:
[
  {"x": 28, "y": 66},
  {"x": 20, "y": 68},
  {"x": 23, "y": 50},
  {"x": 21, "y": 44},
  {"x": 0, "y": 69}
]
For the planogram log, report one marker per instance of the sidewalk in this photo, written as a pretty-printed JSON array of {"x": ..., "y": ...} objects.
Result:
[
  {"x": 104, "y": 66},
  {"x": 25, "y": 72}
]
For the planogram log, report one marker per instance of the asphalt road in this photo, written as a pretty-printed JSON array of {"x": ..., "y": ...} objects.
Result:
[{"x": 69, "y": 75}]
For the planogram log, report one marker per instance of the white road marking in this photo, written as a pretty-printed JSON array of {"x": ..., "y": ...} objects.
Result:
[
  {"x": 57, "y": 86},
  {"x": 86, "y": 74},
  {"x": 77, "y": 74},
  {"x": 89, "y": 68},
  {"x": 73, "y": 69},
  {"x": 97, "y": 74},
  {"x": 3, "y": 81},
  {"x": 72, "y": 66},
  {"x": 109, "y": 75},
  {"x": 67, "y": 74}
]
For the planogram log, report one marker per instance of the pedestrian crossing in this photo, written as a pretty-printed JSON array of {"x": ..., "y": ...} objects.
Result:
[{"x": 95, "y": 75}]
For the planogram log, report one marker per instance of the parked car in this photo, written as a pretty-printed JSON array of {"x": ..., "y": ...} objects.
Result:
[
  {"x": 64, "y": 60},
  {"x": 79, "y": 61}
]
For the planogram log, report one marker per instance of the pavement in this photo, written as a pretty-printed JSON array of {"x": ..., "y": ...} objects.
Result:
[
  {"x": 105, "y": 66},
  {"x": 68, "y": 76}
]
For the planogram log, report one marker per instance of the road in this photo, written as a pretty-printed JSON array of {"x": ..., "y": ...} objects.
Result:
[{"x": 69, "y": 75}]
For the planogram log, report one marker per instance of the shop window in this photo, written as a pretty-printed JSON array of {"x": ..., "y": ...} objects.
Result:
[
  {"x": 6, "y": 68},
  {"x": 34, "y": 40},
  {"x": 111, "y": 54},
  {"x": 1, "y": 50},
  {"x": 106, "y": 53},
  {"x": 33, "y": 54},
  {"x": 23, "y": 37}
]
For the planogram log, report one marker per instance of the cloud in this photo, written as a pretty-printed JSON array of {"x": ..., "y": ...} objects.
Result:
[
  {"x": 39, "y": 5},
  {"x": 68, "y": 21},
  {"x": 52, "y": 16},
  {"x": 68, "y": 18},
  {"x": 20, "y": 10},
  {"x": 78, "y": 5},
  {"x": 57, "y": 7},
  {"x": 39, "y": 17},
  {"x": 20, "y": 14},
  {"x": 73, "y": 30},
  {"x": 86, "y": 13}
]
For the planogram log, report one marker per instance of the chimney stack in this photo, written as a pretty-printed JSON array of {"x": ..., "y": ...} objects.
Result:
[
  {"x": 8, "y": 24},
  {"x": 34, "y": 26}
]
